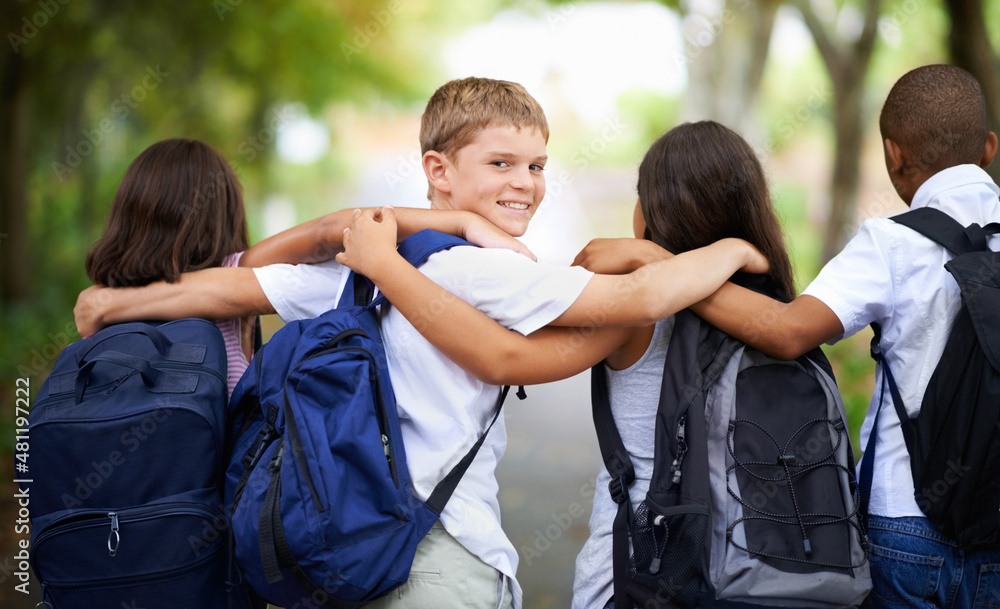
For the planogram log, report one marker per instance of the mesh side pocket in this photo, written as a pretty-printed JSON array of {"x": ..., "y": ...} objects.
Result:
[{"x": 668, "y": 554}]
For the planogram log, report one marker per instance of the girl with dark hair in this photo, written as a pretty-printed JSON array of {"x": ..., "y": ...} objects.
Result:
[
  {"x": 698, "y": 184},
  {"x": 179, "y": 208}
]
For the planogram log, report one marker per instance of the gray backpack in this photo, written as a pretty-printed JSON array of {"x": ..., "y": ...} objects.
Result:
[{"x": 753, "y": 499}]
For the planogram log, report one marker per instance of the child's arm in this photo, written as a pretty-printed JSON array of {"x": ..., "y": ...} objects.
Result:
[
  {"x": 550, "y": 354},
  {"x": 660, "y": 289},
  {"x": 640, "y": 298},
  {"x": 619, "y": 256},
  {"x": 218, "y": 293},
  {"x": 322, "y": 238},
  {"x": 782, "y": 330},
  {"x": 222, "y": 293}
]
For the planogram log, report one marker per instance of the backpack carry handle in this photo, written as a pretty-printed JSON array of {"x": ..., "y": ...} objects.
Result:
[
  {"x": 150, "y": 375},
  {"x": 178, "y": 352}
]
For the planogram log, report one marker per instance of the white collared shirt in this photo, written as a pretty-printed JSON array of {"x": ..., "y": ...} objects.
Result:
[
  {"x": 892, "y": 275},
  {"x": 442, "y": 408}
]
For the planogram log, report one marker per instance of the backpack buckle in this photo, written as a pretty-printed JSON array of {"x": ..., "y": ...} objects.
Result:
[{"x": 618, "y": 489}]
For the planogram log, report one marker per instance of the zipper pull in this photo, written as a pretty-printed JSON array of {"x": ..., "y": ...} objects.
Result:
[
  {"x": 113, "y": 536},
  {"x": 675, "y": 467},
  {"x": 385, "y": 447}
]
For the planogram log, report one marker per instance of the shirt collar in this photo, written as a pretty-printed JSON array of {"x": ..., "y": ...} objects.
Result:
[{"x": 952, "y": 177}]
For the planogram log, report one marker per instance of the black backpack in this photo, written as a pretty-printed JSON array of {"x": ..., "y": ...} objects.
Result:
[
  {"x": 752, "y": 500},
  {"x": 954, "y": 441}
]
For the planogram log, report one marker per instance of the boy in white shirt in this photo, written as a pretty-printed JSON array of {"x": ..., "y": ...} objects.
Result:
[{"x": 483, "y": 144}]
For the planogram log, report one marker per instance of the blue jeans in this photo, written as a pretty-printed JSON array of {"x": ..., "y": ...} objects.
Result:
[{"x": 913, "y": 565}]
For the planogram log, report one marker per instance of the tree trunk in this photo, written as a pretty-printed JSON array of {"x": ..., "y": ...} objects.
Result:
[
  {"x": 725, "y": 56},
  {"x": 15, "y": 261},
  {"x": 847, "y": 65},
  {"x": 846, "y": 178},
  {"x": 970, "y": 49}
]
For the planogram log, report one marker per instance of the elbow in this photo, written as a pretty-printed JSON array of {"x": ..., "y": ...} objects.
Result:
[
  {"x": 498, "y": 371},
  {"x": 788, "y": 345},
  {"x": 497, "y": 365}
]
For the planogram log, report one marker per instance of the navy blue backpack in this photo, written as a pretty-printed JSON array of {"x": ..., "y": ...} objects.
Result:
[
  {"x": 323, "y": 510},
  {"x": 126, "y": 472}
]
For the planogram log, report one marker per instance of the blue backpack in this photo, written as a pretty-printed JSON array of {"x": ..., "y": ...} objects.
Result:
[
  {"x": 125, "y": 472},
  {"x": 323, "y": 510}
]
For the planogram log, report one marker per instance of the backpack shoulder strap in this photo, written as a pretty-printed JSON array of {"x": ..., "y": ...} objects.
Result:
[
  {"x": 416, "y": 249},
  {"x": 947, "y": 232},
  {"x": 619, "y": 466},
  {"x": 613, "y": 451}
]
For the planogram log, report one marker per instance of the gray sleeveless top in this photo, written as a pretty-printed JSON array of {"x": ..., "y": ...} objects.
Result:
[{"x": 635, "y": 392}]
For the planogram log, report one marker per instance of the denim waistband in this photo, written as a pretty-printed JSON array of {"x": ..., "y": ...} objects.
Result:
[{"x": 911, "y": 525}]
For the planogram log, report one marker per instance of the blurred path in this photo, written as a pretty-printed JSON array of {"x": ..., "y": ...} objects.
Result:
[{"x": 547, "y": 486}]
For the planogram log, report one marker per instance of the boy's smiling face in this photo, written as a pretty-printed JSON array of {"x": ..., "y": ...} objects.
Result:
[{"x": 498, "y": 176}]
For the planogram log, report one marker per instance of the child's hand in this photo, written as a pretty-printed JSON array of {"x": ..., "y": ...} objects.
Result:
[
  {"x": 480, "y": 231},
  {"x": 89, "y": 308},
  {"x": 619, "y": 256},
  {"x": 755, "y": 261},
  {"x": 370, "y": 241}
]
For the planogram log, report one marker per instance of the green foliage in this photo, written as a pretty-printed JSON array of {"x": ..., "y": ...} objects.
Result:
[
  {"x": 650, "y": 113},
  {"x": 107, "y": 79}
]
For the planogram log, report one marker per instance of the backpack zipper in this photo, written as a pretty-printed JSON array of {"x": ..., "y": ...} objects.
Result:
[
  {"x": 92, "y": 518},
  {"x": 113, "y": 535},
  {"x": 675, "y": 467}
]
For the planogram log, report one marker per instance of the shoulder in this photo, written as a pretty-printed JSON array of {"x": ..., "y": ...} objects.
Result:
[{"x": 486, "y": 266}]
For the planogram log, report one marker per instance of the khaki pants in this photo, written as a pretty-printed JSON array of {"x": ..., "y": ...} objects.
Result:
[{"x": 445, "y": 575}]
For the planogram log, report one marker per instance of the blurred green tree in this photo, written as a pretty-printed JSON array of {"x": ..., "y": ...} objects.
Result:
[
  {"x": 87, "y": 85},
  {"x": 847, "y": 60},
  {"x": 969, "y": 47}
]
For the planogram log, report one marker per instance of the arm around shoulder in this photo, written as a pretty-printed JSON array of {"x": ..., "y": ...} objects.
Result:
[
  {"x": 779, "y": 329},
  {"x": 217, "y": 293}
]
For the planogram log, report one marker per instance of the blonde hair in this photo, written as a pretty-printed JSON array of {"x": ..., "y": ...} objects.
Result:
[{"x": 460, "y": 109}]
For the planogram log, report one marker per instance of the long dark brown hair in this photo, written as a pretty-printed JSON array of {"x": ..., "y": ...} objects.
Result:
[
  {"x": 179, "y": 208},
  {"x": 701, "y": 182}
]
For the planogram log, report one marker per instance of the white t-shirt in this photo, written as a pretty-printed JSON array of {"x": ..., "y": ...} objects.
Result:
[
  {"x": 892, "y": 275},
  {"x": 443, "y": 409}
]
